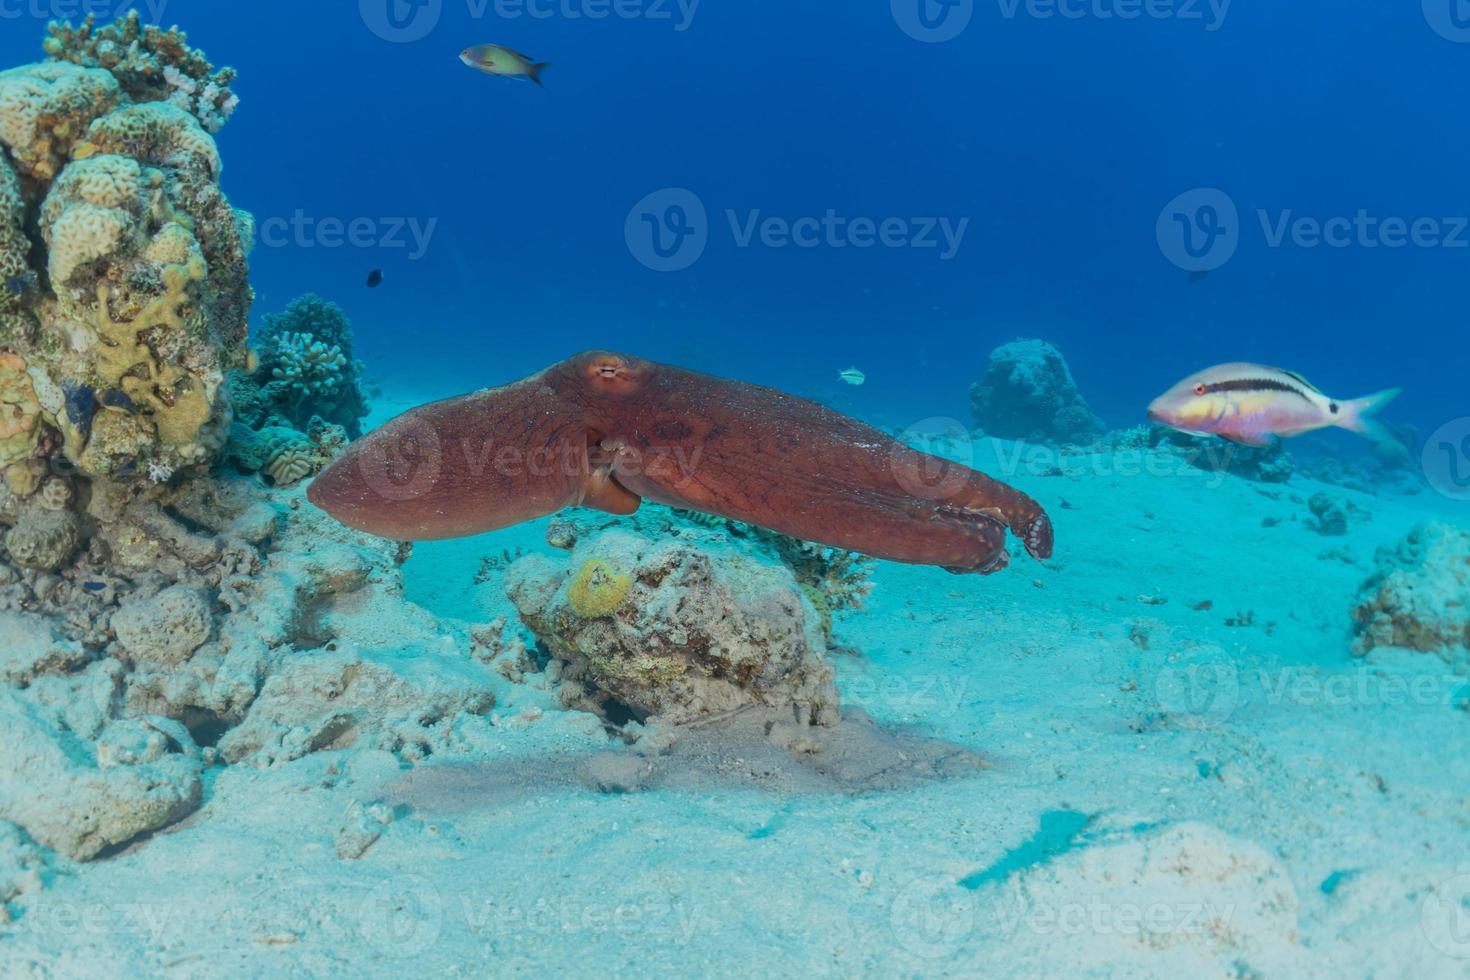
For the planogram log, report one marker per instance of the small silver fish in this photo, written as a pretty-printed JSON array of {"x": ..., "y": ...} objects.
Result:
[
  {"x": 852, "y": 376},
  {"x": 493, "y": 59},
  {"x": 1250, "y": 404}
]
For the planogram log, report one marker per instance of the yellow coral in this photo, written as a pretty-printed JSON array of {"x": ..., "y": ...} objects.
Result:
[
  {"x": 181, "y": 401},
  {"x": 20, "y": 413},
  {"x": 597, "y": 589}
]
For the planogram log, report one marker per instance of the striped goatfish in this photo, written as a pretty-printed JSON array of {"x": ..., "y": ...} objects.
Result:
[{"x": 1249, "y": 404}]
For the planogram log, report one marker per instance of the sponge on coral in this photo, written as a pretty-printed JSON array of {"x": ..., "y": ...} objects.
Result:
[{"x": 596, "y": 590}]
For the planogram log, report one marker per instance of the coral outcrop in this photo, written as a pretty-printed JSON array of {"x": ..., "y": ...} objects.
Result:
[
  {"x": 1419, "y": 595},
  {"x": 158, "y": 617},
  {"x": 1027, "y": 392},
  {"x": 124, "y": 298},
  {"x": 670, "y": 630}
]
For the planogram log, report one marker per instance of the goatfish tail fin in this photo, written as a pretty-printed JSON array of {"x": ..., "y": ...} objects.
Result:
[
  {"x": 1357, "y": 415},
  {"x": 533, "y": 72}
]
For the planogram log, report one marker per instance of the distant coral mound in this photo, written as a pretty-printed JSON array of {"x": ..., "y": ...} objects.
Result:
[
  {"x": 1419, "y": 597},
  {"x": 1028, "y": 392}
]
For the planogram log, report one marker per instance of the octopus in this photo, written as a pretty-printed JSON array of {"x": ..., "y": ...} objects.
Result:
[{"x": 608, "y": 431}]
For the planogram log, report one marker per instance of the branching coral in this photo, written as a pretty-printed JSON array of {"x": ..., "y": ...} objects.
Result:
[
  {"x": 307, "y": 368},
  {"x": 150, "y": 64}
]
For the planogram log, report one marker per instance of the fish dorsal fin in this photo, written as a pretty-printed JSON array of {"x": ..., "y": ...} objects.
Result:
[
  {"x": 1301, "y": 380},
  {"x": 513, "y": 52}
]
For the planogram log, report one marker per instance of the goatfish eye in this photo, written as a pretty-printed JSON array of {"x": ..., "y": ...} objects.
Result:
[{"x": 1200, "y": 388}]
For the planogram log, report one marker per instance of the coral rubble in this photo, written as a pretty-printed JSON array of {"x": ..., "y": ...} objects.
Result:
[
  {"x": 671, "y": 630},
  {"x": 1419, "y": 596},
  {"x": 1027, "y": 392}
]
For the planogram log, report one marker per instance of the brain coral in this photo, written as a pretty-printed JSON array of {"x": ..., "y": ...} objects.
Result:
[{"x": 45, "y": 111}]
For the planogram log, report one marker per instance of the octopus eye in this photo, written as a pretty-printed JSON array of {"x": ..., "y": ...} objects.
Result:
[{"x": 1200, "y": 389}]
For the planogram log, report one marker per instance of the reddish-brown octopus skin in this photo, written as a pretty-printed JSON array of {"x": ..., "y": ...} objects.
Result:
[{"x": 606, "y": 430}]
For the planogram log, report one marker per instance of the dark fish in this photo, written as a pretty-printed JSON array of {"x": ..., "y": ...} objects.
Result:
[
  {"x": 81, "y": 405},
  {"x": 94, "y": 586},
  {"x": 375, "y": 279},
  {"x": 112, "y": 398}
]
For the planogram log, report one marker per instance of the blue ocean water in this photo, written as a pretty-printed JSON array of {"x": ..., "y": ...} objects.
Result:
[{"x": 1053, "y": 134}]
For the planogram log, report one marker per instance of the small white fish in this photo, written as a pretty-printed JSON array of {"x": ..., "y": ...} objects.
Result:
[
  {"x": 1250, "y": 404},
  {"x": 852, "y": 376}
]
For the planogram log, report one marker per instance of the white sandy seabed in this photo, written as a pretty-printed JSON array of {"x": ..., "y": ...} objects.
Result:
[{"x": 1187, "y": 774}]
